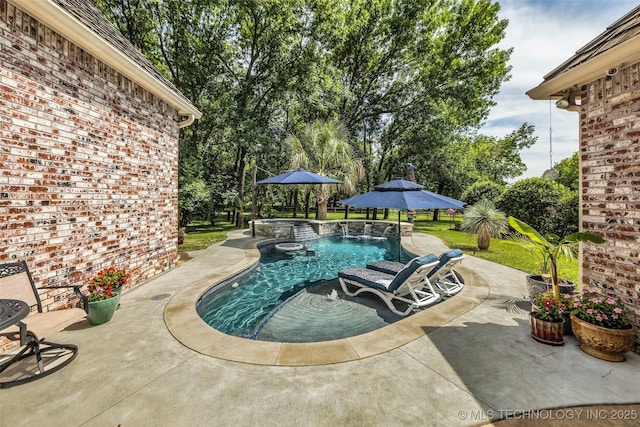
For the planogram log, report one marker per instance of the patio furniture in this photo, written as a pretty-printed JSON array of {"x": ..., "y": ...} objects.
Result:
[
  {"x": 410, "y": 285},
  {"x": 442, "y": 276},
  {"x": 19, "y": 296}
]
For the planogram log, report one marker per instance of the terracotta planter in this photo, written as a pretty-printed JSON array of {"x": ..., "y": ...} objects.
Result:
[
  {"x": 546, "y": 332},
  {"x": 603, "y": 343},
  {"x": 536, "y": 285}
]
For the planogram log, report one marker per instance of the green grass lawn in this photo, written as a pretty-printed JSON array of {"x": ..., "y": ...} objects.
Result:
[{"x": 200, "y": 235}]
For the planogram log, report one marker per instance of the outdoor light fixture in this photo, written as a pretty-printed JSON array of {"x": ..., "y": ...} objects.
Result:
[
  {"x": 568, "y": 102},
  {"x": 563, "y": 103}
]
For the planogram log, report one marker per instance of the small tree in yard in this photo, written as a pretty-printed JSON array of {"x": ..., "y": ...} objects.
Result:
[{"x": 484, "y": 220}]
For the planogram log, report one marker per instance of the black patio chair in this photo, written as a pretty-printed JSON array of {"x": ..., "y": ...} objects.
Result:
[{"x": 22, "y": 320}]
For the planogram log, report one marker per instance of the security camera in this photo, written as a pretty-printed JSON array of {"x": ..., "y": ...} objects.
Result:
[{"x": 612, "y": 71}]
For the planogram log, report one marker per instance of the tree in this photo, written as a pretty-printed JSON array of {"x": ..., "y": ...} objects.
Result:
[
  {"x": 323, "y": 148},
  {"x": 193, "y": 198},
  {"x": 569, "y": 172},
  {"x": 498, "y": 159},
  {"x": 410, "y": 79}
]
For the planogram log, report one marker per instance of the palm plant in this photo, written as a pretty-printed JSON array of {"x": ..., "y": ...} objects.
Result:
[
  {"x": 485, "y": 220},
  {"x": 553, "y": 247},
  {"x": 323, "y": 147}
]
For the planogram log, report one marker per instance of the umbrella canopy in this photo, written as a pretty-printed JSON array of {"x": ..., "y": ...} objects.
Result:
[
  {"x": 402, "y": 195},
  {"x": 299, "y": 176}
]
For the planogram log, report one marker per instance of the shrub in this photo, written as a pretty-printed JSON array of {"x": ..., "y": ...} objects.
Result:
[
  {"x": 484, "y": 219},
  {"x": 536, "y": 201},
  {"x": 480, "y": 190}
]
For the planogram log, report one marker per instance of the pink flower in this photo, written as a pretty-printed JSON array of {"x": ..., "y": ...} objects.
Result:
[
  {"x": 611, "y": 301},
  {"x": 86, "y": 293},
  {"x": 617, "y": 310},
  {"x": 599, "y": 318},
  {"x": 614, "y": 316},
  {"x": 590, "y": 310}
]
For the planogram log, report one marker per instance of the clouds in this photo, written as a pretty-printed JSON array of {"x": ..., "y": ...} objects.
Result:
[{"x": 544, "y": 34}]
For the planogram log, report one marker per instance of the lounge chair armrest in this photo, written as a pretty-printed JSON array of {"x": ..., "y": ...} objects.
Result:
[
  {"x": 60, "y": 286},
  {"x": 76, "y": 290}
]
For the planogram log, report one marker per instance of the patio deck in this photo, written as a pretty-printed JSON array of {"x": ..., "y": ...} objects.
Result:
[{"x": 469, "y": 369}]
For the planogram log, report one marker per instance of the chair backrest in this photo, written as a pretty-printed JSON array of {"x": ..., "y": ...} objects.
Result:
[
  {"x": 16, "y": 283},
  {"x": 447, "y": 259},
  {"x": 416, "y": 268}
]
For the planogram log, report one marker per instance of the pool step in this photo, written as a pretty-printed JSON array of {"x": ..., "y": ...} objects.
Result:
[{"x": 304, "y": 232}]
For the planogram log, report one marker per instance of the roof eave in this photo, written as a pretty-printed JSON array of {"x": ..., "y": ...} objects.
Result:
[
  {"x": 625, "y": 53},
  {"x": 69, "y": 27}
]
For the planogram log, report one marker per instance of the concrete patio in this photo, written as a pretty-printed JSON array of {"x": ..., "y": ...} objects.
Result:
[{"x": 469, "y": 369}]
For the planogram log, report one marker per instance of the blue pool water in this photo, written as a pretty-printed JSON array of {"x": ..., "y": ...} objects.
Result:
[{"x": 243, "y": 307}]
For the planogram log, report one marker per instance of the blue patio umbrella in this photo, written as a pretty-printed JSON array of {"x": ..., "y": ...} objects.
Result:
[
  {"x": 299, "y": 176},
  {"x": 402, "y": 195}
]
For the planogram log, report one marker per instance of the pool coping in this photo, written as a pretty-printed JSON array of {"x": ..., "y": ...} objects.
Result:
[{"x": 187, "y": 327}]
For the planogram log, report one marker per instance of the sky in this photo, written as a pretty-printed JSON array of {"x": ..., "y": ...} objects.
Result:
[{"x": 544, "y": 34}]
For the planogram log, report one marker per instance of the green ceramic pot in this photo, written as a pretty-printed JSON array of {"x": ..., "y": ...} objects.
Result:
[{"x": 102, "y": 311}]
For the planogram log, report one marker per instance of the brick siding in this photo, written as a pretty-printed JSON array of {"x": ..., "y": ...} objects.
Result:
[
  {"x": 610, "y": 162},
  {"x": 88, "y": 163}
]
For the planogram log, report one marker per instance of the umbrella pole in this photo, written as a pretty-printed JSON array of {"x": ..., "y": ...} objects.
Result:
[{"x": 399, "y": 235}]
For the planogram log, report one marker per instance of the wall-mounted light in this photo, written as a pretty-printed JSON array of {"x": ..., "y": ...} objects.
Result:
[
  {"x": 563, "y": 102},
  {"x": 568, "y": 102}
]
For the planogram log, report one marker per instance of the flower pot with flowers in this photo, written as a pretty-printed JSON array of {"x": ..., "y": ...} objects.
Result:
[
  {"x": 547, "y": 319},
  {"x": 601, "y": 325},
  {"x": 103, "y": 295}
]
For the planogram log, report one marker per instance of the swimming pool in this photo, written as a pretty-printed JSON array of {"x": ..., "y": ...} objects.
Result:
[{"x": 294, "y": 289}]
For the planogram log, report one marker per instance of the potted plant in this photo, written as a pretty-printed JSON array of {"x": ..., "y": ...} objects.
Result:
[
  {"x": 110, "y": 278},
  {"x": 551, "y": 249},
  {"x": 484, "y": 219},
  {"x": 547, "y": 319},
  {"x": 103, "y": 294},
  {"x": 601, "y": 325}
]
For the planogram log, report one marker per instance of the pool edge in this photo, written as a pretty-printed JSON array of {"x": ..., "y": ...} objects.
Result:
[{"x": 189, "y": 329}]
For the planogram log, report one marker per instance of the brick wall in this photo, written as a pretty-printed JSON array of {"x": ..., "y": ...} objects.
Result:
[
  {"x": 88, "y": 163},
  {"x": 610, "y": 161}
]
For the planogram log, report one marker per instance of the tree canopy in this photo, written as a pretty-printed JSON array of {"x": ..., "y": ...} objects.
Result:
[{"x": 411, "y": 81}]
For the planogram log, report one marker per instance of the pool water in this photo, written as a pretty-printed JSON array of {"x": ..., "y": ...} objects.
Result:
[{"x": 245, "y": 307}]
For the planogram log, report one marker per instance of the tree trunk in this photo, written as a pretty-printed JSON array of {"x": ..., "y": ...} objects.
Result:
[
  {"x": 242, "y": 165},
  {"x": 295, "y": 203},
  {"x": 484, "y": 238},
  {"x": 321, "y": 212},
  {"x": 306, "y": 204}
]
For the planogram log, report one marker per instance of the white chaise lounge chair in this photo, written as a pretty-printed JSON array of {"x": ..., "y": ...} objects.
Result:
[
  {"x": 410, "y": 285},
  {"x": 442, "y": 275}
]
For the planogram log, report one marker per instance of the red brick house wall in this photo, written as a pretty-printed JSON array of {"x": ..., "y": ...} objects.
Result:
[
  {"x": 88, "y": 163},
  {"x": 610, "y": 161}
]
